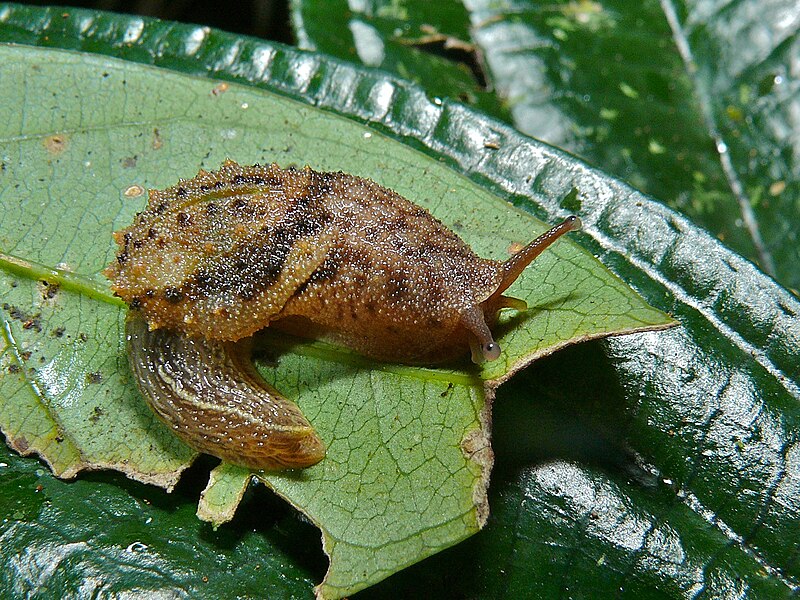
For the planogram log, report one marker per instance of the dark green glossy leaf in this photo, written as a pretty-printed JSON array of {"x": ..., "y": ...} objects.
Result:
[
  {"x": 428, "y": 43},
  {"x": 711, "y": 408},
  {"x": 104, "y": 536},
  {"x": 689, "y": 101}
]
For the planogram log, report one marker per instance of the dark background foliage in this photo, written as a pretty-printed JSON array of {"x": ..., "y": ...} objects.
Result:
[{"x": 267, "y": 19}]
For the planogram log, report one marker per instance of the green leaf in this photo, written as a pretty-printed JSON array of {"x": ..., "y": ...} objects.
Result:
[
  {"x": 408, "y": 457},
  {"x": 427, "y": 43},
  {"x": 710, "y": 410},
  {"x": 105, "y": 535},
  {"x": 687, "y": 101}
]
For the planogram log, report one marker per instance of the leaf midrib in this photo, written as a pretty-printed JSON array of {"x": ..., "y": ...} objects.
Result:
[
  {"x": 702, "y": 94},
  {"x": 66, "y": 280},
  {"x": 74, "y": 282}
]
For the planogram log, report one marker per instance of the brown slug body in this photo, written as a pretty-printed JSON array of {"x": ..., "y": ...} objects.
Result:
[{"x": 218, "y": 257}]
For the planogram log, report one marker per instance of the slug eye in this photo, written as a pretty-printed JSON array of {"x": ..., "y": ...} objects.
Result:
[
  {"x": 490, "y": 350},
  {"x": 481, "y": 342}
]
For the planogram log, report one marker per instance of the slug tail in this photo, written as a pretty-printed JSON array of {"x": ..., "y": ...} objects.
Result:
[{"x": 212, "y": 398}]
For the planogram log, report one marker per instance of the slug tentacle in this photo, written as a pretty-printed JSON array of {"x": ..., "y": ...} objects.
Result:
[
  {"x": 514, "y": 266},
  {"x": 482, "y": 344},
  {"x": 211, "y": 396}
]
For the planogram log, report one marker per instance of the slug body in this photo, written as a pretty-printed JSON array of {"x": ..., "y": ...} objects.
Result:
[{"x": 216, "y": 258}]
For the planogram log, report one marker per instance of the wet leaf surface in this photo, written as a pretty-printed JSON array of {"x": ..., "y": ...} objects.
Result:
[
  {"x": 691, "y": 434},
  {"x": 691, "y": 102}
]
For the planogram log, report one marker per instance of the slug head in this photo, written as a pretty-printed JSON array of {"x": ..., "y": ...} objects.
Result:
[{"x": 476, "y": 318}]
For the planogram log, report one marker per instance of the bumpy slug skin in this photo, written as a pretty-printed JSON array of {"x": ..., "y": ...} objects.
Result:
[{"x": 216, "y": 258}]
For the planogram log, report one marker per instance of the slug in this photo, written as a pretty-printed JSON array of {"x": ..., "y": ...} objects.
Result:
[{"x": 214, "y": 259}]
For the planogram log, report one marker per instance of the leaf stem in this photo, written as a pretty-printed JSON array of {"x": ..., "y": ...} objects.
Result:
[{"x": 66, "y": 280}]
